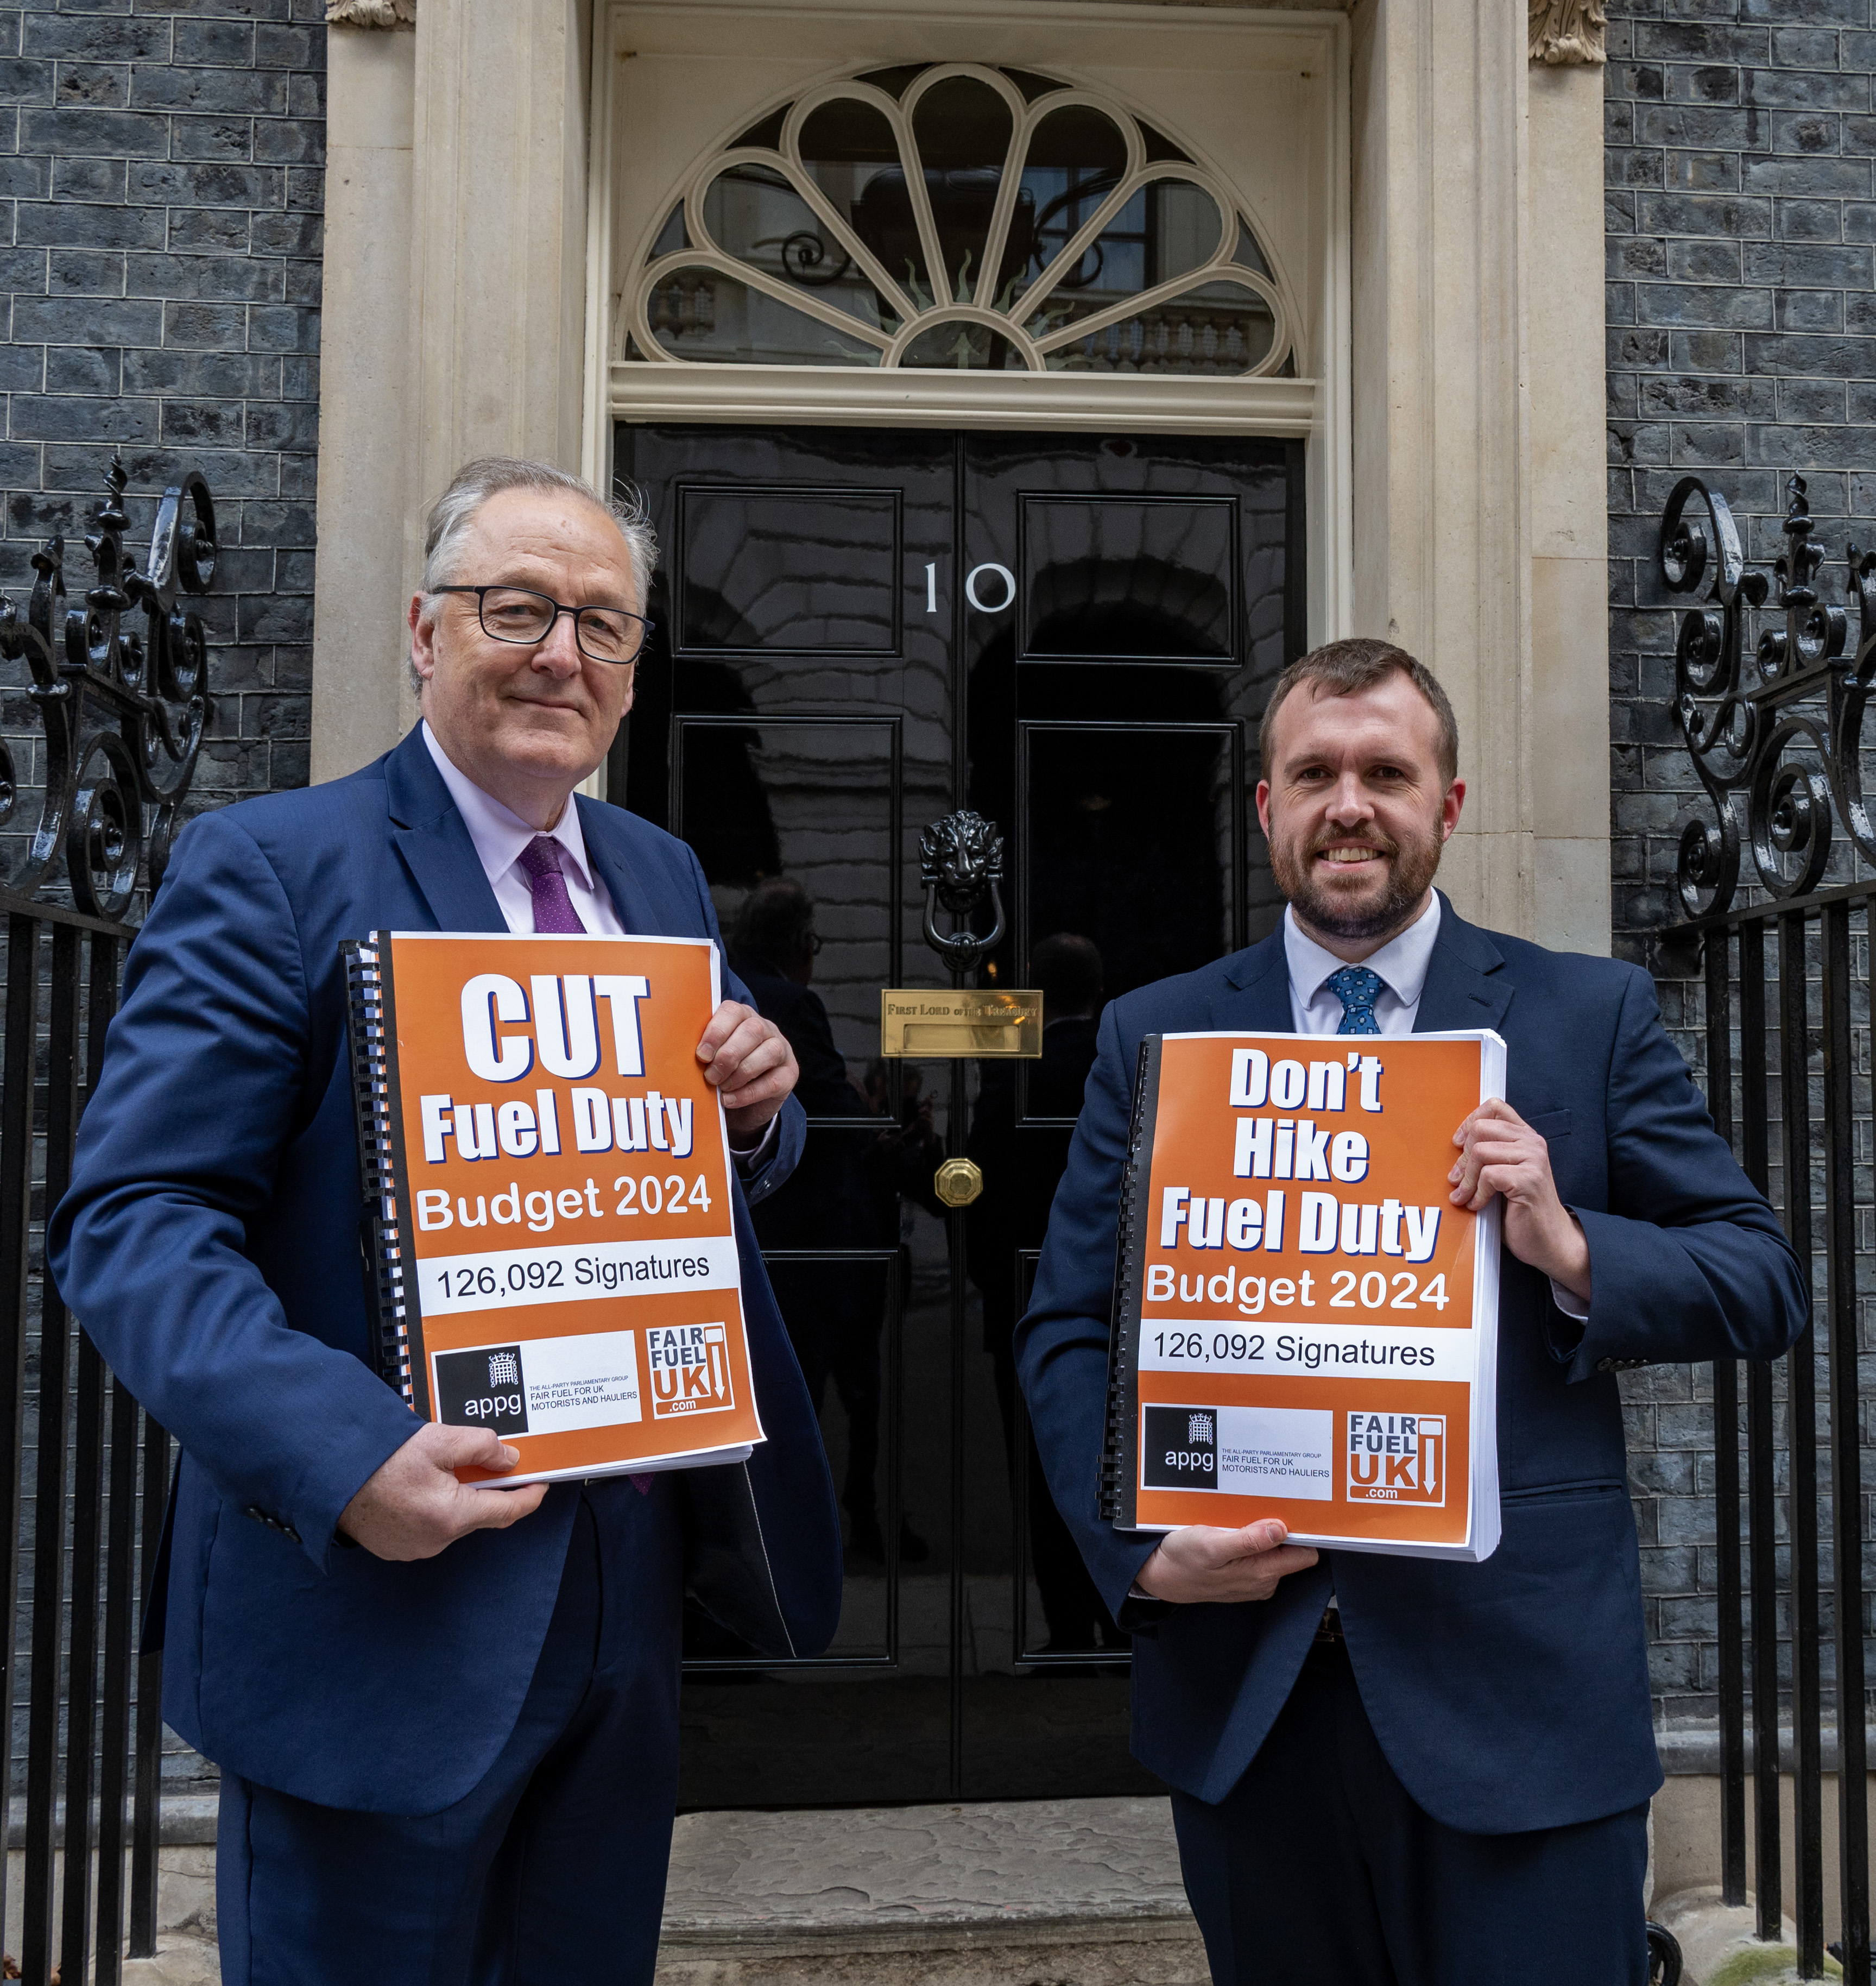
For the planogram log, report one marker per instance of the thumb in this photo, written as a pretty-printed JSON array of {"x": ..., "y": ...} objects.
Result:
[
  {"x": 496, "y": 1509},
  {"x": 1265, "y": 1535},
  {"x": 454, "y": 1447}
]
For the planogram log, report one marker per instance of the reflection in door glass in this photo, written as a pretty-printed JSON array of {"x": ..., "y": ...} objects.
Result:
[
  {"x": 1216, "y": 327},
  {"x": 816, "y": 570},
  {"x": 962, "y": 127},
  {"x": 753, "y": 212},
  {"x": 825, "y": 790},
  {"x": 1118, "y": 819},
  {"x": 702, "y": 314},
  {"x": 1077, "y": 156},
  {"x": 1118, "y": 577},
  {"x": 1168, "y": 228}
]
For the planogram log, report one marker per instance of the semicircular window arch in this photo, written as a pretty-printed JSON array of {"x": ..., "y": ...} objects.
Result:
[{"x": 956, "y": 216}]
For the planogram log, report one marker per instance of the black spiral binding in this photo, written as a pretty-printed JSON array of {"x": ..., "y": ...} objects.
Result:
[
  {"x": 1115, "y": 1502},
  {"x": 380, "y": 1233}
]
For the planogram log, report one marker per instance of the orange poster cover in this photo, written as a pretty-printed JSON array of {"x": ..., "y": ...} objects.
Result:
[
  {"x": 546, "y": 1183},
  {"x": 1305, "y": 1326}
]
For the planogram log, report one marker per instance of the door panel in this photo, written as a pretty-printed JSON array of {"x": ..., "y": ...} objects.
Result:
[
  {"x": 1129, "y": 579},
  {"x": 1115, "y": 816},
  {"x": 858, "y": 632},
  {"x": 747, "y": 588}
]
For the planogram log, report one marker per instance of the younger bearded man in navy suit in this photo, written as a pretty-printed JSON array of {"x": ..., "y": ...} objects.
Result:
[
  {"x": 1398, "y": 1772},
  {"x": 447, "y": 1718}
]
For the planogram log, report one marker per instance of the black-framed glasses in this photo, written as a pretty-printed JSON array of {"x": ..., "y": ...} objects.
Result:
[{"x": 518, "y": 614}]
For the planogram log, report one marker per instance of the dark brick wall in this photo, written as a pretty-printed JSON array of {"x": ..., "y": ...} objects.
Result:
[
  {"x": 1741, "y": 166},
  {"x": 160, "y": 181}
]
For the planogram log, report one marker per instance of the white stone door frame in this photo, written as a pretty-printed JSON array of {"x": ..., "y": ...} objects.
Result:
[
  {"x": 666, "y": 94},
  {"x": 460, "y": 320}
]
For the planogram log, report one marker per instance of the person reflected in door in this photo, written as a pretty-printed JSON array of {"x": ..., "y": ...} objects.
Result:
[
  {"x": 835, "y": 1311},
  {"x": 1010, "y": 1214},
  {"x": 1392, "y": 1771}
]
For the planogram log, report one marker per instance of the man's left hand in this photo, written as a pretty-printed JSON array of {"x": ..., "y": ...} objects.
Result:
[
  {"x": 749, "y": 1061},
  {"x": 1500, "y": 1153}
]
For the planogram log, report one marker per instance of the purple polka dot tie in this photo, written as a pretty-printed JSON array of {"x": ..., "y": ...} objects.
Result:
[
  {"x": 554, "y": 913},
  {"x": 553, "y": 908}
]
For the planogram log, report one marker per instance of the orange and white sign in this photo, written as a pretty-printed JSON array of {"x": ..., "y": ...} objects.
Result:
[
  {"x": 1317, "y": 1322},
  {"x": 562, "y": 1175}
]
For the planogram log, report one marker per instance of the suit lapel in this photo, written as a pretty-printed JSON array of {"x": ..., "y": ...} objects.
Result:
[
  {"x": 1258, "y": 998},
  {"x": 1466, "y": 986},
  {"x": 631, "y": 899},
  {"x": 433, "y": 840}
]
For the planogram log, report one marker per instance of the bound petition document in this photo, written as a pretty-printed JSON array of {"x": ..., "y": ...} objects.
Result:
[
  {"x": 547, "y": 1216},
  {"x": 1305, "y": 1326}
]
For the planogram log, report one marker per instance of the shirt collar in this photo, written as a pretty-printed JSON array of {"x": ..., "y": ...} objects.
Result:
[
  {"x": 499, "y": 834},
  {"x": 1401, "y": 962}
]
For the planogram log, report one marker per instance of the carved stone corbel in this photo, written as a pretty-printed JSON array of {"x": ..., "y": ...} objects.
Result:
[
  {"x": 375, "y": 13},
  {"x": 1567, "y": 30}
]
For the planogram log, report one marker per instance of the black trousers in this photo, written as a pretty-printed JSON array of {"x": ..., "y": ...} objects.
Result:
[
  {"x": 551, "y": 1872},
  {"x": 1319, "y": 1866}
]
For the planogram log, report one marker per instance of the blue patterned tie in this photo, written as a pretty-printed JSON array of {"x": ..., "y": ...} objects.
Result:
[{"x": 1357, "y": 988}]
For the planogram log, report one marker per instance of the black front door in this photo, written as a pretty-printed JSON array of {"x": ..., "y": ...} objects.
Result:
[{"x": 859, "y": 632}]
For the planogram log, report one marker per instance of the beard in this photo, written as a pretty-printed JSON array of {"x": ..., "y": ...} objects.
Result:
[{"x": 1409, "y": 865}]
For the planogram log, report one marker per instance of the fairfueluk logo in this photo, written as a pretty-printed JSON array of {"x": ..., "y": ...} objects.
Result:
[
  {"x": 689, "y": 1369},
  {"x": 1395, "y": 1458}
]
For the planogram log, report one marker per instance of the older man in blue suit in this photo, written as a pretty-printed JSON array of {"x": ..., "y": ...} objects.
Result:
[
  {"x": 1392, "y": 1772},
  {"x": 447, "y": 1718}
]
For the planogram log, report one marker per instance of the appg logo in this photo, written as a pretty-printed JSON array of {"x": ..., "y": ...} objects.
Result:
[
  {"x": 689, "y": 1369},
  {"x": 1397, "y": 1458},
  {"x": 483, "y": 1387},
  {"x": 1178, "y": 1448}
]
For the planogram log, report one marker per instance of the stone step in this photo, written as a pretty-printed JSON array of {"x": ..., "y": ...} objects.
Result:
[{"x": 1028, "y": 1893}]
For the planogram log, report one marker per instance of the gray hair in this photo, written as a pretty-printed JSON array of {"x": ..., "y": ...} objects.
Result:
[{"x": 475, "y": 482}]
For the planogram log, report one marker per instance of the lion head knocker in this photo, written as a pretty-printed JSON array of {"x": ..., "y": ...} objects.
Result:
[{"x": 960, "y": 857}]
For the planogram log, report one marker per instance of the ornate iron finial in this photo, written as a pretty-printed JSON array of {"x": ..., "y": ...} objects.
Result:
[
  {"x": 123, "y": 711},
  {"x": 959, "y": 858},
  {"x": 1799, "y": 769}
]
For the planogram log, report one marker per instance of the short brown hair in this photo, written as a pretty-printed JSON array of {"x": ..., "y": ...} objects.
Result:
[{"x": 1345, "y": 668}]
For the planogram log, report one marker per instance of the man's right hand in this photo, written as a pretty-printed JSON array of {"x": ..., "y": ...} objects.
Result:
[
  {"x": 1201, "y": 1562},
  {"x": 414, "y": 1505}
]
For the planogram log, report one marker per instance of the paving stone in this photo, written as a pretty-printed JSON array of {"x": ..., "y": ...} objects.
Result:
[{"x": 1008, "y": 1893}]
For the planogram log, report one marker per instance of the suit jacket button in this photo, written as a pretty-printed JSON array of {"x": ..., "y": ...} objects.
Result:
[{"x": 1605, "y": 1365}]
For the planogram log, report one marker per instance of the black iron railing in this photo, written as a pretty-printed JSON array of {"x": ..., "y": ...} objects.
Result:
[
  {"x": 107, "y": 719},
  {"x": 1776, "y": 741}
]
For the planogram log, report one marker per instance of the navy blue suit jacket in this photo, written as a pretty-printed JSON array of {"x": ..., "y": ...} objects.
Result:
[
  {"x": 210, "y": 1244},
  {"x": 1514, "y": 1694}
]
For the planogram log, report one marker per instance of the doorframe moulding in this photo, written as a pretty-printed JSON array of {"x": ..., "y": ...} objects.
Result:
[
  {"x": 1282, "y": 408},
  {"x": 1316, "y": 410}
]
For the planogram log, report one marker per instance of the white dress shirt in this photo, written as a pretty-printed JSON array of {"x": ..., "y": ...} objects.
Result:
[
  {"x": 500, "y": 836},
  {"x": 1401, "y": 962}
]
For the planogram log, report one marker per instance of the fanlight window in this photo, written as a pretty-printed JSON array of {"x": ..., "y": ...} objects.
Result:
[{"x": 947, "y": 215}]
